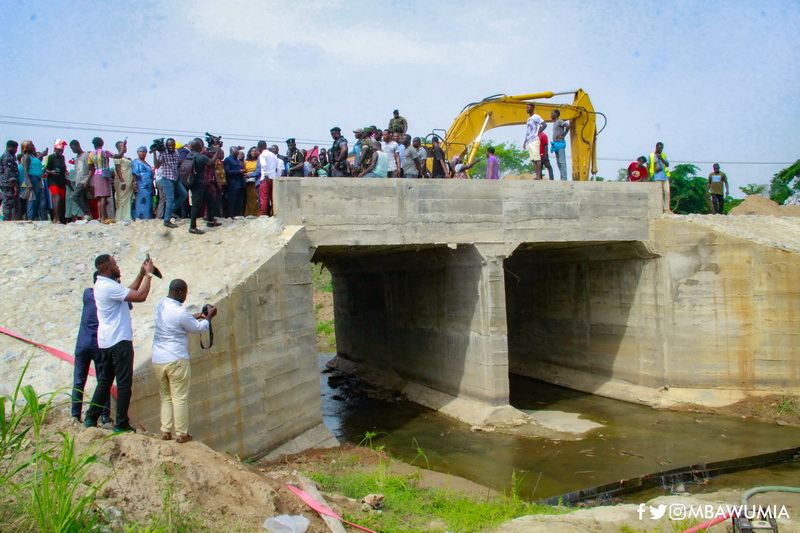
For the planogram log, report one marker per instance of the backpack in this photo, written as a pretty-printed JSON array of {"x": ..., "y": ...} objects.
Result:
[{"x": 186, "y": 170}]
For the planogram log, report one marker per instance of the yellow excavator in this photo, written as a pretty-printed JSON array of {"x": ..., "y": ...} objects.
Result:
[{"x": 466, "y": 132}]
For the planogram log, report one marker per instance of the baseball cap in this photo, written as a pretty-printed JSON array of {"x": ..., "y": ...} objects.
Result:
[{"x": 59, "y": 144}]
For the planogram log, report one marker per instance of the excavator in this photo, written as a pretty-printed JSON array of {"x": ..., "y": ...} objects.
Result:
[{"x": 465, "y": 134}]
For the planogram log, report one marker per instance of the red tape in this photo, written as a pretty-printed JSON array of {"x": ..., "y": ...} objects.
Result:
[{"x": 321, "y": 509}]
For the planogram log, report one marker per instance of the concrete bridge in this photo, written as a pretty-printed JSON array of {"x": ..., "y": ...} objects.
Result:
[{"x": 447, "y": 286}]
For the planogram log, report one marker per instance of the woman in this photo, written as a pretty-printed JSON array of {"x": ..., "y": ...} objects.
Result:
[
  {"x": 124, "y": 186},
  {"x": 32, "y": 176},
  {"x": 143, "y": 186},
  {"x": 251, "y": 195},
  {"x": 101, "y": 176}
]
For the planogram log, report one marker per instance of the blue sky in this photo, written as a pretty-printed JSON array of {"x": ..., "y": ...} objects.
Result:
[{"x": 714, "y": 80}]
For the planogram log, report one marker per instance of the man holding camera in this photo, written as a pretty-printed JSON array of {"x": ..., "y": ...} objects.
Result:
[
  {"x": 171, "y": 357},
  {"x": 200, "y": 193}
]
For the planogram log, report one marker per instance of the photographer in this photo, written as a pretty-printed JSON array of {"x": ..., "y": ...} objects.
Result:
[
  {"x": 171, "y": 357},
  {"x": 167, "y": 157},
  {"x": 200, "y": 192}
]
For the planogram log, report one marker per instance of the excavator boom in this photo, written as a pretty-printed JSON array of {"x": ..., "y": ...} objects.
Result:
[{"x": 465, "y": 134}]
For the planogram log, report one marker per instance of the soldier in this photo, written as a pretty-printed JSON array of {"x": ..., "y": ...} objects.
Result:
[
  {"x": 296, "y": 159},
  {"x": 9, "y": 181}
]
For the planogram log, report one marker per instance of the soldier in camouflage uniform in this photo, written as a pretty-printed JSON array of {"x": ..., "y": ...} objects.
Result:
[
  {"x": 9, "y": 182},
  {"x": 398, "y": 124}
]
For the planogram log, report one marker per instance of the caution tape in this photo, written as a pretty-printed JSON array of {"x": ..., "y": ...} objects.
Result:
[{"x": 321, "y": 509}]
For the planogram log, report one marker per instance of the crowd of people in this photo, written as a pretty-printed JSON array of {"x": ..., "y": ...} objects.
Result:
[{"x": 168, "y": 181}]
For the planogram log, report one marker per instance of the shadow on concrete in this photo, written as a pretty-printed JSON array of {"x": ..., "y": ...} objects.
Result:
[{"x": 572, "y": 314}]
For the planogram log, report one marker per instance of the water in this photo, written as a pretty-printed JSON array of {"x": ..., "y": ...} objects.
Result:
[{"x": 635, "y": 439}]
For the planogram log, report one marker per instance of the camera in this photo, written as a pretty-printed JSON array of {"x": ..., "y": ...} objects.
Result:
[
  {"x": 204, "y": 311},
  {"x": 212, "y": 139},
  {"x": 158, "y": 145}
]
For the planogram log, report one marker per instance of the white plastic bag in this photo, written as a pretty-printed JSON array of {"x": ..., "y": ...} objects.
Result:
[{"x": 287, "y": 524}]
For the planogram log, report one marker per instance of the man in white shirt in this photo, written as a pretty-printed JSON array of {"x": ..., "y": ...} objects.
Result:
[
  {"x": 171, "y": 357},
  {"x": 270, "y": 169},
  {"x": 389, "y": 147},
  {"x": 115, "y": 336},
  {"x": 535, "y": 126}
]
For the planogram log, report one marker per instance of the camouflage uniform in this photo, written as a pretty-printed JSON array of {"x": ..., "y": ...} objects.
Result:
[
  {"x": 398, "y": 125},
  {"x": 9, "y": 177}
]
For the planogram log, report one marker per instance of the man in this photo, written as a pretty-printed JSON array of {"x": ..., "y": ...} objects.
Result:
[
  {"x": 637, "y": 171},
  {"x": 715, "y": 181},
  {"x": 412, "y": 165},
  {"x": 535, "y": 125},
  {"x": 401, "y": 152},
  {"x": 423, "y": 157},
  {"x": 170, "y": 358},
  {"x": 234, "y": 173},
  {"x": 357, "y": 146},
  {"x": 9, "y": 182},
  {"x": 270, "y": 169},
  {"x": 492, "y": 165},
  {"x": 439, "y": 163},
  {"x": 378, "y": 165},
  {"x": 543, "y": 142},
  {"x": 174, "y": 190},
  {"x": 56, "y": 170},
  {"x": 337, "y": 156},
  {"x": 389, "y": 147},
  {"x": 295, "y": 158},
  {"x": 115, "y": 336},
  {"x": 559, "y": 144},
  {"x": 284, "y": 161},
  {"x": 86, "y": 353},
  {"x": 398, "y": 124},
  {"x": 199, "y": 189},
  {"x": 659, "y": 171},
  {"x": 83, "y": 185}
]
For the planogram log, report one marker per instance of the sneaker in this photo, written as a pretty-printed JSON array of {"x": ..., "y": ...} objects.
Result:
[
  {"x": 213, "y": 224},
  {"x": 170, "y": 225},
  {"x": 106, "y": 420},
  {"x": 126, "y": 429},
  {"x": 183, "y": 438},
  {"x": 89, "y": 423},
  {"x": 196, "y": 231}
]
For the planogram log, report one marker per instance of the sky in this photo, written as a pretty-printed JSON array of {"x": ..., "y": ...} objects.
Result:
[{"x": 716, "y": 81}]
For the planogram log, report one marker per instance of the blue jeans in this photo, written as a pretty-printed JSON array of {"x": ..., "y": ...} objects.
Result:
[
  {"x": 176, "y": 195},
  {"x": 37, "y": 206}
]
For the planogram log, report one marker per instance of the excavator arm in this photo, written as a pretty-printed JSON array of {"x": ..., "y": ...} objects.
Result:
[{"x": 465, "y": 134}]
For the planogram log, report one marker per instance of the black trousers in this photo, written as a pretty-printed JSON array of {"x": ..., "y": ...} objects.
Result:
[
  {"x": 117, "y": 364},
  {"x": 718, "y": 201},
  {"x": 201, "y": 195}
]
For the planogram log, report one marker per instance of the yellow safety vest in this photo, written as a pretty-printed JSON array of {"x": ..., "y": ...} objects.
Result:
[{"x": 653, "y": 164}]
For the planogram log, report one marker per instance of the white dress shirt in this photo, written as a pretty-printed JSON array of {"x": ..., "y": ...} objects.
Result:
[
  {"x": 173, "y": 324},
  {"x": 270, "y": 165},
  {"x": 113, "y": 313}
]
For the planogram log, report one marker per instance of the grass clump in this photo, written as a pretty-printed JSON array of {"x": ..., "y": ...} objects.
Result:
[
  {"x": 410, "y": 508},
  {"x": 321, "y": 278}
]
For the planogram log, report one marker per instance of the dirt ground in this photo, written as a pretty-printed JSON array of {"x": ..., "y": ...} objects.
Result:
[
  {"x": 217, "y": 490},
  {"x": 759, "y": 205},
  {"x": 772, "y": 409}
]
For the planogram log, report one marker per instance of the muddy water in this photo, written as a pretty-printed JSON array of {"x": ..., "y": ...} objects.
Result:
[{"x": 635, "y": 440}]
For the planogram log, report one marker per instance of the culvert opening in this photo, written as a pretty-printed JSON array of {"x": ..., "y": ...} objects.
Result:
[{"x": 577, "y": 309}]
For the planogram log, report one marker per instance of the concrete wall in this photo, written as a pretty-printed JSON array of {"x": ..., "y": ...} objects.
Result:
[
  {"x": 258, "y": 386},
  {"x": 361, "y": 212}
]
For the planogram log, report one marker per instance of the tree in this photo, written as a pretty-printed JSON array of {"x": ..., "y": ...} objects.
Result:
[
  {"x": 751, "y": 189},
  {"x": 783, "y": 183},
  {"x": 689, "y": 192},
  {"x": 512, "y": 160}
]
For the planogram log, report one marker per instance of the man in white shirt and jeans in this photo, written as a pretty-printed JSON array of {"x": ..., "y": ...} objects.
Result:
[
  {"x": 115, "y": 336},
  {"x": 535, "y": 126},
  {"x": 171, "y": 358}
]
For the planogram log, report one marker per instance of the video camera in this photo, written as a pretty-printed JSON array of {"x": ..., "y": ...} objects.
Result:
[
  {"x": 158, "y": 145},
  {"x": 212, "y": 139}
]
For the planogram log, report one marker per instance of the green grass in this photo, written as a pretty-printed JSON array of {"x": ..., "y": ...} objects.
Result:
[
  {"x": 409, "y": 508},
  {"x": 321, "y": 278}
]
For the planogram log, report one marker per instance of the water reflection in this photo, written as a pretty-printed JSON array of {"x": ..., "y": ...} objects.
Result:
[{"x": 636, "y": 440}]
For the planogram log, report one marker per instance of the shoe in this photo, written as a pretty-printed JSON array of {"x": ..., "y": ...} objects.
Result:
[
  {"x": 196, "y": 231},
  {"x": 170, "y": 225},
  {"x": 90, "y": 423},
  {"x": 166, "y": 435},
  {"x": 77, "y": 419},
  {"x": 126, "y": 429},
  {"x": 213, "y": 224},
  {"x": 106, "y": 420},
  {"x": 183, "y": 438}
]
